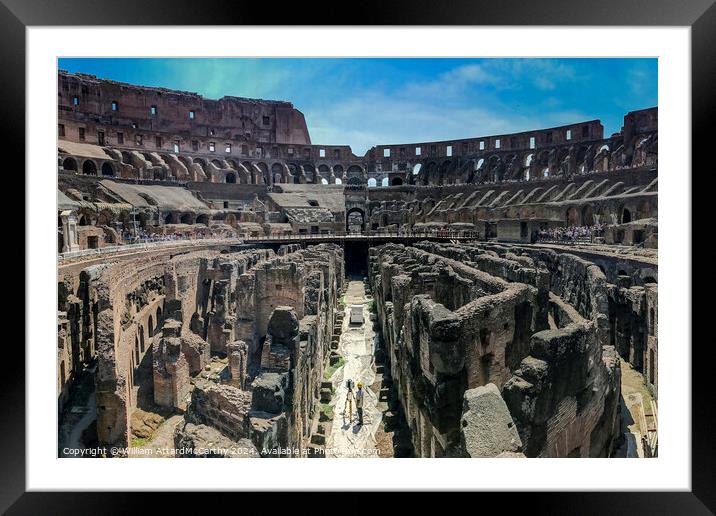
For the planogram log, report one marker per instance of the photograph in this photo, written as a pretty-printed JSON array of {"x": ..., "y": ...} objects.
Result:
[{"x": 357, "y": 257}]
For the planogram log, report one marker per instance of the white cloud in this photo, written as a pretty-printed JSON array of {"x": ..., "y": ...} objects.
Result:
[{"x": 374, "y": 118}]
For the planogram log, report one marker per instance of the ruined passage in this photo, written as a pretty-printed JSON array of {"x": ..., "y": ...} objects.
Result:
[{"x": 356, "y": 347}]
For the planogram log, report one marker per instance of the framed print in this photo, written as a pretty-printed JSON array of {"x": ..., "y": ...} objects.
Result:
[{"x": 413, "y": 251}]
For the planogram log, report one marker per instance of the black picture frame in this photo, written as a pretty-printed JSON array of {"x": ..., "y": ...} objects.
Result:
[{"x": 700, "y": 15}]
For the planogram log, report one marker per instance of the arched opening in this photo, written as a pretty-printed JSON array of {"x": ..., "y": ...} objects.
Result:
[
  {"x": 89, "y": 168},
  {"x": 371, "y": 182},
  {"x": 355, "y": 220},
  {"x": 141, "y": 341},
  {"x": 170, "y": 218},
  {"x": 572, "y": 217},
  {"x": 587, "y": 216},
  {"x": 384, "y": 182},
  {"x": 150, "y": 326},
  {"x": 339, "y": 181},
  {"x": 397, "y": 181},
  {"x": 231, "y": 178},
  {"x": 416, "y": 169},
  {"x": 217, "y": 163},
  {"x": 355, "y": 181},
  {"x": 310, "y": 173},
  {"x": 203, "y": 219},
  {"x": 277, "y": 171},
  {"x": 649, "y": 280},
  {"x": 136, "y": 348},
  {"x": 324, "y": 172},
  {"x": 354, "y": 171},
  {"x": 69, "y": 164},
  {"x": 626, "y": 216},
  {"x": 186, "y": 218},
  {"x": 265, "y": 174},
  {"x": 324, "y": 181},
  {"x": 107, "y": 169}
]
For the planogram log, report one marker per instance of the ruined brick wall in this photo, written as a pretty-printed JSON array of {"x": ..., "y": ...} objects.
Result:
[
  {"x": 128, "y": 294},
  {"x": 168, "y": 111},
  {"x": 436, "y": 353},
  {"x": 559, "y": 379}
]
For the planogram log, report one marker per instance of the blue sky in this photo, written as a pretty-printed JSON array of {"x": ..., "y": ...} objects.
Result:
[{"x": 365, "y": 102}]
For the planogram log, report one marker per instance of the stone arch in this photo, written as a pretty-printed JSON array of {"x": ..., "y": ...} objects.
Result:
[
  {"x": 355, "y": 212},
  {"x": 385, "y": 182},
  {"x": 295, "y": 173},
  {"x": 217, "y": 163},
  {"x": 397, "y": 181},
  {"x": 69, "y": 163},
  {"x": 186, "y": 218},
  {"x": 588, "y": 215},
  {"x": 107, "y": 169},
  {"x": 232, "y": 163},
  {"x": 277, "y": 172},
  {"x": 371, "y": 182},
  {"x": 150, "y": 326},
  {"x": 202, "y": 219},
  {"x": 355, "y": 171},
  {"x": 202, "y": 164},
  {"x": 339, "y": 181},
  {"x": 265, "y": 174},
  {"x": 231, "y": 178},
  {"x": 324, "y": 171},
  {"x": 572, "y": 217},
  {"x": 171, "y": 218},
  {"x": 89, "y": 168},
  {"x": 310, "y": 172},
  {"x": 625, "y": 215}
]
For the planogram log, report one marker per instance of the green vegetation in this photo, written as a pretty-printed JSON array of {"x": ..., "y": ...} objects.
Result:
[
  {"x": 371, "y": 307},
  {"x": 332, "y": 369},
  {"x": 138, "y": 442},
  {"x": 327, "y": 409}
]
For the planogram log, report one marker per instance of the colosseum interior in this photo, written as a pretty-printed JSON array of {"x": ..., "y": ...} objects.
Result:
[{"x": 221, "y": 278}]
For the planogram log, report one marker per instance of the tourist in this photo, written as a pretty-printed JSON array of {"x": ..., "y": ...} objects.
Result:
[{"x": 359, "y": 403}]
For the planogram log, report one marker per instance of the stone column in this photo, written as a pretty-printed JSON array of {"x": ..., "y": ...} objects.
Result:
[{"x": 69, "y": 232}]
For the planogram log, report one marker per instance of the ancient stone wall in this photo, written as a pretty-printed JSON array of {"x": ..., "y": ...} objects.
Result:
[
  {"x": 516, "y": 329},
  {"x": 448, "y": 327}
]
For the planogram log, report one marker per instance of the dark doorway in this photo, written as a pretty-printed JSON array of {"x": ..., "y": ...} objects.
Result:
[
  {"x": 626, "y": 216},
  {"x": 356, "y": 256}
]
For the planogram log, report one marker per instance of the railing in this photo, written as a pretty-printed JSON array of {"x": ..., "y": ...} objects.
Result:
[
  {"x": 447, "y": 235},
  {"x": 187, "y": 242},
  {"x": 109, "y": 250}
]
